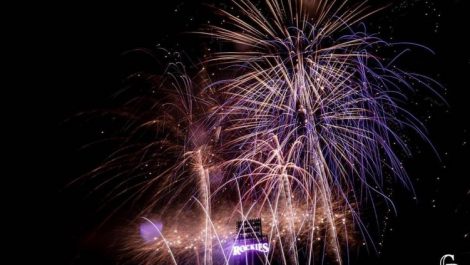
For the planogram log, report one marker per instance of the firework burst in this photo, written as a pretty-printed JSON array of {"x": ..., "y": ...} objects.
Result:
[{"x": 300, "y": 134}]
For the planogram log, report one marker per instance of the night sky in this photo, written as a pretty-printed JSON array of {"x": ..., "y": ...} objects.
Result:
[{"x": 91, "y": 50}]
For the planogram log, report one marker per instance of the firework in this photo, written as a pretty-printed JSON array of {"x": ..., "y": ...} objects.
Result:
[{"x": 300, "y": 133}]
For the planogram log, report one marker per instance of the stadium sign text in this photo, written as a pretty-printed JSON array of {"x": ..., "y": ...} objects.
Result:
[{"x": 260, "y": 247}]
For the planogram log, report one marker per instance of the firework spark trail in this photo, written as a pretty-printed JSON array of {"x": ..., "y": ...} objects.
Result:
[
  {"x": 300, "y": 134},
  {"x": 204, "y": 190}
]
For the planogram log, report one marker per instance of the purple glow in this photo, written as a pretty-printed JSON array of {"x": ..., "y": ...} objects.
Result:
[{"x": 150, "y": 230}]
